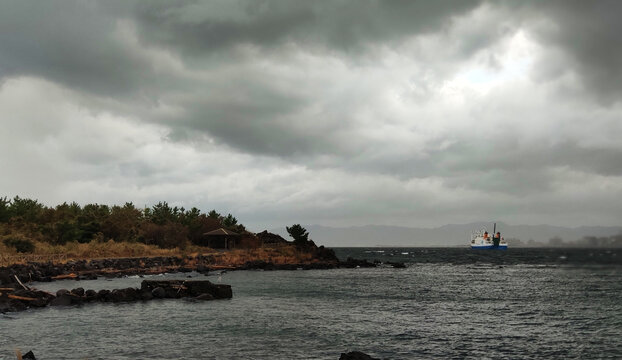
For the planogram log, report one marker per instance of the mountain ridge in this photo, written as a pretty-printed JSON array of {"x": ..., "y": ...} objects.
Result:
[{"x": 445, "y": 235}]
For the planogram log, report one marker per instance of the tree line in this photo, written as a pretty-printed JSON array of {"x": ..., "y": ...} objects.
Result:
[{"x": 22, "y": 220}]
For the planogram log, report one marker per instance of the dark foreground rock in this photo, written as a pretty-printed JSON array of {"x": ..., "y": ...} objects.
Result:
[
  {"x": 356, "y": 355},
  {"x": 13, "y": 300},
  {"x": 29, "y": 356}
]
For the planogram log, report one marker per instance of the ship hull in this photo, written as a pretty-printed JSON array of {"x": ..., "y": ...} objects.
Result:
[{"x": 489, "y": 247}]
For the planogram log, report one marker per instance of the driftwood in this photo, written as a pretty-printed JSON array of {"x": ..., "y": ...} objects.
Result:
[
  {"x": 65, "y": 276},
  {"x": 19, "y": 282},
  {"x": 24, "y": 298}
]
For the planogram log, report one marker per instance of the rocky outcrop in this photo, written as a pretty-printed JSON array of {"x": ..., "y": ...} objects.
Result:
[
  {"x": 12, "y": 299},
  {"x": 324, "y": 258},
  {"x": 397, "y": 265},
  {"x": 92, "y": 269},
  {"x": 268, "y": 238},
  {"x": 355, "y": 263}
]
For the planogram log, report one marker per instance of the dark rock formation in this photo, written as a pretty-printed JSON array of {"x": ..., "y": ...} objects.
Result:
[
  {"x": 354, "y": 263},
  {"x": 29, "y": 356},
  {"x": 356, "y": 355},
  {"x": 158, "y": 293},
  {"x": 63, "y": 300},
  {"x": 397, "y": 265},
  {"x": 187, "y": 288},
  {"x": 12, "y": 300},
  {"x": 324, "y": 258},
  {"x": 271, "y": 239}
]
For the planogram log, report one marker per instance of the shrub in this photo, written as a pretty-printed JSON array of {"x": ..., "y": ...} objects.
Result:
[{"x": 21, "y": 245}]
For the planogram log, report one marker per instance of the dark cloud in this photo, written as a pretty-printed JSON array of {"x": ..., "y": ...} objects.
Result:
[
  {"x": 349, "y": 109},
  {"x": 197, "y": 27},
  {"x": 588, "y": 35}
]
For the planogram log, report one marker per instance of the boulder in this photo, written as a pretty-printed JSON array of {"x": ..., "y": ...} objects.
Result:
[
  {"x": 158, "y": 293},
  {"x": 204, "y": 297},
  {"x": 146, "y": 295},
  {"x": 16, "y": 305},
  {"x": 128, "y": 294},
  {"x": 63, "y": 300},
  {"x": 397, "y": 265},
  {"x": 78, "y": 291},
  {"x": 103, "y": 294},
  {"x": 29, "y": 356},
  {"x": 90, "y": 294},
  {"x": 61, "y": 292}
]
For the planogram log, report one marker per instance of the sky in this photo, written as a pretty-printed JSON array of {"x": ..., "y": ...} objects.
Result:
[{"x": 339, "y": 113}]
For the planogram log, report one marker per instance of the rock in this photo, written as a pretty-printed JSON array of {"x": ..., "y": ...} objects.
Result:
[
  {"x": 183, "y": 288},
  {"x": 63, "y": 300},
  {"x": 103, "y": 294},
  {"x": 61, "y": 292},
  {"x": 29, "y": 356},
  {"x": 158, "y": 293},
  {"x": 128, "y": 294},
  {"x": 397, "y": 265},
  {"x": 356, "y": 355},
  {"x": 353, "y": 263},
  {"x": 172, "y": 292},
  {"x": 5, "y": 278},
  {"x": 16, "y": 305},
  {"x": 204, "y": 297},
  {"x": 78, "y": 291},
  {"x": 146, "y": 295},
  {"x": 199, "y": 287}
]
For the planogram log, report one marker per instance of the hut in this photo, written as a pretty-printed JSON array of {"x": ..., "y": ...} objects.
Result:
[{"x": 221, "y": 239}]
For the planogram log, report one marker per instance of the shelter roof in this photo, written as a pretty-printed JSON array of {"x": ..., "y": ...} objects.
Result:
[{"x": 221, "y": 231}]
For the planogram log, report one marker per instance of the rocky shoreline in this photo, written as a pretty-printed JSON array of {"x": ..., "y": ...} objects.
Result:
[
  {"x": 92, "y": 269},
  {"x": 21, "y": 297},
  {"x": 15, "y": 296}
]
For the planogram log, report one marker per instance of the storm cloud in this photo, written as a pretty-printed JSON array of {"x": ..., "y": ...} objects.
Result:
[{"x": 412, "y": 113}]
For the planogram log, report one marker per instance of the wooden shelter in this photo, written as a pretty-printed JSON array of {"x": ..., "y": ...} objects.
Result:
[{"x": 221, "y": 239}]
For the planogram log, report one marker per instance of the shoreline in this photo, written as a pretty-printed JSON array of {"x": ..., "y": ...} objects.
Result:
[
  {"x": 15, "y": 296},
  {"x": 127, "y": 266}
]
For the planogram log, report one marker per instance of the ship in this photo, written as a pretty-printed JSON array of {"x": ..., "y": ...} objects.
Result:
[{"x": 482, "y": 240}]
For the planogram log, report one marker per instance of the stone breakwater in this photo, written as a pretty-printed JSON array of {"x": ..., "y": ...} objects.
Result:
[
  {"x": 13, "y": 299},
  {"x": 92, "y": 269}
]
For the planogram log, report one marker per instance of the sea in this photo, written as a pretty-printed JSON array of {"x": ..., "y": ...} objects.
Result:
[{"x": 447, "y": 303}]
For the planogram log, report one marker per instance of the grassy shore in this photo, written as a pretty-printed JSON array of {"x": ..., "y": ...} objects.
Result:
[{"x": 285, "y": 254}]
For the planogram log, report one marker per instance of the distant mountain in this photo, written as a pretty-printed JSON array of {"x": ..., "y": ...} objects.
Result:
[{"x": 446, "y": 235}]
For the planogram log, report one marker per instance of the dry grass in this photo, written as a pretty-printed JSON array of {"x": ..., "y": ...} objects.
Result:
[
  {"x": 95, "y": 249},
  {"x": 110, "y": 249},
  {"x": 282, "y": 255}
]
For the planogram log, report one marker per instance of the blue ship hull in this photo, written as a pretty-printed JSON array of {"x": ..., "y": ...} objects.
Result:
[{"x": 489, "y": 247}]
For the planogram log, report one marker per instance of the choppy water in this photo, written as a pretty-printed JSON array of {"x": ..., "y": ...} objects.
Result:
[{"x": 439, "y": 307}]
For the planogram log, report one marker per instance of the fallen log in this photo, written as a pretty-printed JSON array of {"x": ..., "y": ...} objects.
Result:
[
  {"x": 65, "y": 276},
  {"x": 222, "y": 267},
  {"x": 24, "y": 298},
  {"x": 19, "y": 282}
]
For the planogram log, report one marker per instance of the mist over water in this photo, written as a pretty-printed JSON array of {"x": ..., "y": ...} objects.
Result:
[{"x": 448, "y": 303}]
